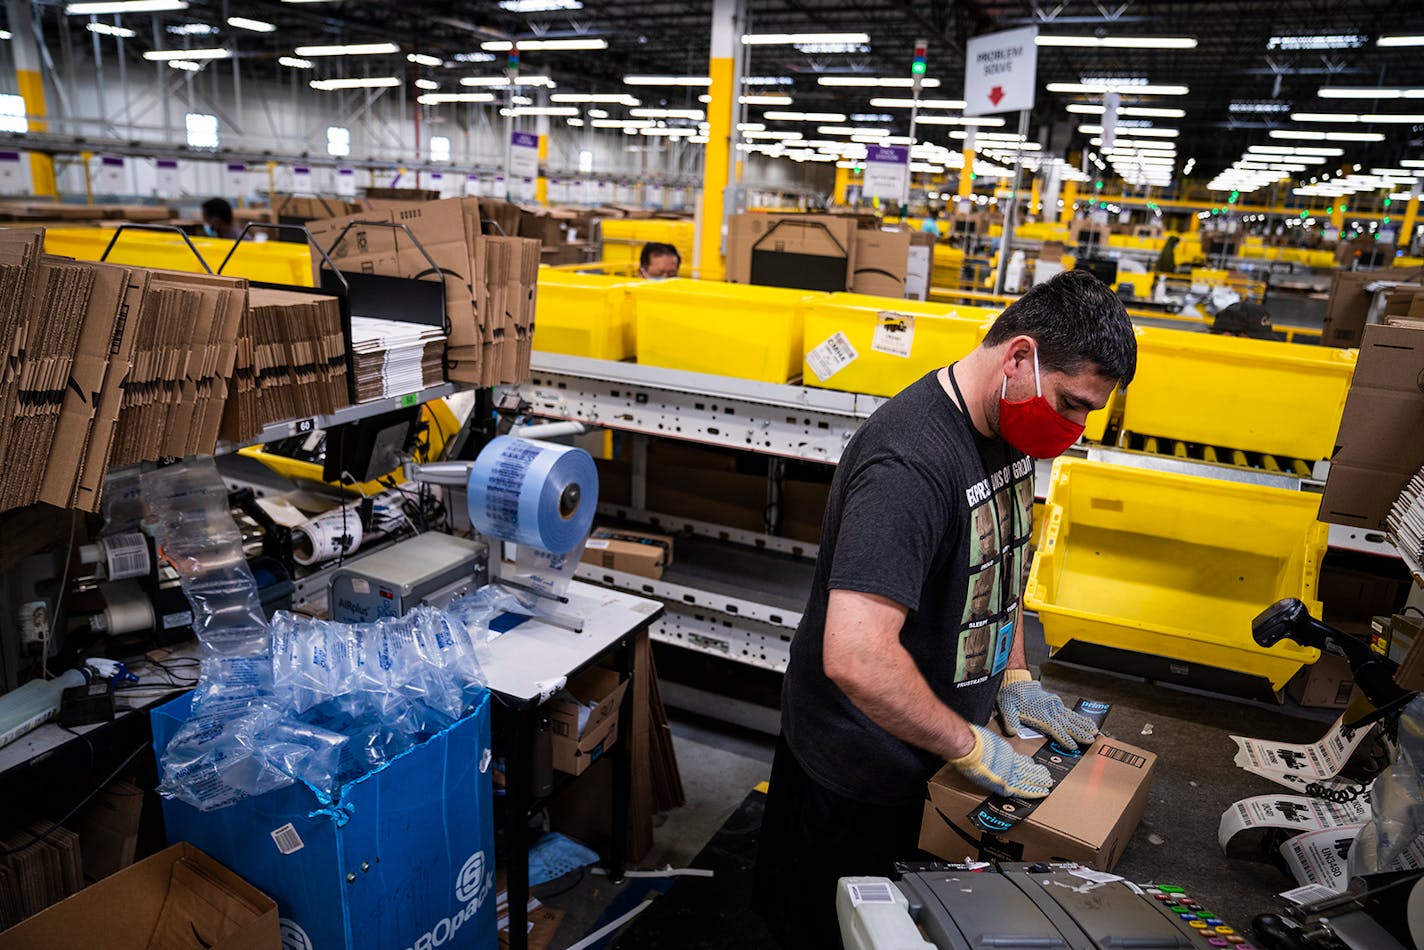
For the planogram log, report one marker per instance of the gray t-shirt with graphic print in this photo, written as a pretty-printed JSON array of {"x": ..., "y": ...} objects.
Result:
[{"x": 929, "y": 513}]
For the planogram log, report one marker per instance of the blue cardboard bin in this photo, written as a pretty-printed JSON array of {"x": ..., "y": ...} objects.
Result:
[{"x": 403, "y": 860}]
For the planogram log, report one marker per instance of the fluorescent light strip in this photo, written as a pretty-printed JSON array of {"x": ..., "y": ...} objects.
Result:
[
  {"x": 1139, "y": 112},
  {"x": 191, "y": 55},
  {"x": 295, "y": 63},
  {"x": 612, "y": 98},
  {"x": 1131, "y": 130},
  {"x": 255, "y": 26},
  {"x": 667, "y": 80},
  {"x": 886, "y": 82},
  {"x": 1125, "y": 88},
  {"x": 355, "y": 49},
  {"x": 764, "y": 100},
  {"x": 367, "y": 82},
  {"x": 959, "y": 120},
  {"x": 1118, "y": 42},
  {"x": 1365, "y": 92},
  {"x": 776, "y": 116},
  {"x": 125, "y": 6},
  {"x": 695, "y": 114},
  {"x": 420, "y": 59},
  {"x": 426, "y": 84},
  {"x": 104, "y": 29},
  {"x": 1308, "y": 136},
  {"x": 879, "y": 103},
  {"x": 539, "y": 6},
  {"x": 792, "y": 39},
  {"x": 186, "y": 65},
  {"x": 506, "y": 81},
  {"x": 536, "y": 46},
  {"x": 540, "y": 110},
  {"x": 1400, "y": 41},
  {"x": 440, "y": 98}
]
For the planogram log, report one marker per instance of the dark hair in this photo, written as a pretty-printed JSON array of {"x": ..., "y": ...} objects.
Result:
[
  {"x": 218, "y": 208},
  {"x": 657, "y": 249},
  {"x": 1074, "y": 318}
]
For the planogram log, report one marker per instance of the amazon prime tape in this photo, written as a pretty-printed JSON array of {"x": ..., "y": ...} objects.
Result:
[{"x": 534, "y": 494}]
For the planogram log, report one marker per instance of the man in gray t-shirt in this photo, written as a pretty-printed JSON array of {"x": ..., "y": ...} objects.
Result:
[{"x": 911, "y": 637}]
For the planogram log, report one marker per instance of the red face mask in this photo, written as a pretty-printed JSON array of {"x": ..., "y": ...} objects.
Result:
[{"x": 1033, "y": 426}]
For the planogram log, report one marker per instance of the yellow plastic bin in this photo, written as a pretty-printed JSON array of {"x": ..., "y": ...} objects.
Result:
[
  {"x": 1097, "y": 425},
  {"x": 584, "y": 315},
  {"x": 623, "y": 240},
  {"x": 894, "y": 342},
  {"x": 1255, "y": 395},
  {"x": 272, "y": 261},
  {"x": 736, "y": 330},
  {"x": 1174, "y": 566}
]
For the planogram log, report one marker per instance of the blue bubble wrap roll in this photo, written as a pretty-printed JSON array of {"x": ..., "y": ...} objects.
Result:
[{"x": 533, "y": 493}]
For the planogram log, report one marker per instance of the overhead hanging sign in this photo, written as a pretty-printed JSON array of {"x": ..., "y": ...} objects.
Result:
[
  {"x": 523, "y": 155},
  {"x": 110, "y": 179},
  {"x": 1001, "y": 72},
  {"x": 167, "y": 179},
  {"x": 302, "y": 180},
  {"x": 346, "y": 182},
  {"x": 887, "y": 168}
]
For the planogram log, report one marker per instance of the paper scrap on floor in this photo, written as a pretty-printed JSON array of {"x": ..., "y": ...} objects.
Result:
[{"x": 1294, "y": 765}]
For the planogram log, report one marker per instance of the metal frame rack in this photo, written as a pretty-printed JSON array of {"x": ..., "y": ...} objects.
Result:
[{"x": 742, "y": 613}]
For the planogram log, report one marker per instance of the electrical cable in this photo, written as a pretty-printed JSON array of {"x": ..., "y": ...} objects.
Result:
[
  {"x": 59, "y": 595},
  {"x": 34, "y": 839}
]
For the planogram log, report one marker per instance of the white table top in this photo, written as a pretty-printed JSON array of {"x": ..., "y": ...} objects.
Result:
[{"x": 527, "y": 660}]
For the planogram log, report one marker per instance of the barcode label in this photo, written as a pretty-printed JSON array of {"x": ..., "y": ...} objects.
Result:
[
  {"x": 597, "y": 544},
  {"x": 1309, "y": 894},
  {"x": 894, "y": 334},
  {"x": 874, "y": 893},
  {"x": 127, "y": 555},
  {"x": 287, "y": 839},
  {"x": 1122, "y": 755},
  {"x": 833, "y": 355}
]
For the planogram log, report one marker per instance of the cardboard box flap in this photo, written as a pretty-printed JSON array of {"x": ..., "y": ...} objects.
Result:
[{"x": 789, "y": 236}]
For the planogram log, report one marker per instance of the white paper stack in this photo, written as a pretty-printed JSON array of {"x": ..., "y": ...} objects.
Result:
[
  {"x": 1406, "y": 520},
  {"x": 393, "y": 358}
]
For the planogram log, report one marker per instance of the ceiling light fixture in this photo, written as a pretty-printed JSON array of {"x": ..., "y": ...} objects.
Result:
[
  {"x": 104, "y": 29},
  {"x": 793, "y": 39},
  {"x": 255, "y": 26},
  {"x": 440, "y": 98},
  {"x": 421, "y": 59},
  {"x": 101, "y": 7},
  {"x": 295, "y": 63},
  {"x": 355, "y": 49},
  {"x": 426, "y": 84},
  {"x": 547, "y": 46},
  {"x": 506, "y": 81},
  {"x": 764, "y": 100},
  {"x": 1400, "y": 41},
  {"x": 1126, "y": 87},
  {"x": 164, "y": 55},
  {"x": 539, "y": 6},
  {"x": 695, "y": 114},
  {"x": 1118, "y": 42},
  {"x": 540, "y": 110},
  {"x": 612, "y": 98},
  {"x": 364, "y": 82},
  {"x": 186, "y": 65},
  {"x": 1083, "y": 108},
  {"x": 1366, "y": 92},
  {"x": 1323, "y": 41},
  {"x": 887, "y": 82},
  {"x": 779, "y": 116},
  {"x": 667, "y": 80},
  {"x": 881, "y": 103}
]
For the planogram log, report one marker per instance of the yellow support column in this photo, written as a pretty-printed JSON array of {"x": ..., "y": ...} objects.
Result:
[
  {"x": 541, "y": 184},
  {"x": 717, "y": 164},
  {"x": 1337, "y": 215},
  {"x": 29, "y": 82},
  {"x": 838, "y": 194},
  {"x": 1406, "y": 230},
  {"x": 1035, "y": 196},
  {"x": 966, "y": 180},
  {"x": 1070, "y": 195}
]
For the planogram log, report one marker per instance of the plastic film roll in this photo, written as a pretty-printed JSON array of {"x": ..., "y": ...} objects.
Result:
[
  {"x": 334, "y": 533},
  {"x": 533, "y": 493}
]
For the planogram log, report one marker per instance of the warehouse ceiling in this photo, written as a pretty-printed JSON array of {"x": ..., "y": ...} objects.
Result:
[{"x": 1251, "y": 68}]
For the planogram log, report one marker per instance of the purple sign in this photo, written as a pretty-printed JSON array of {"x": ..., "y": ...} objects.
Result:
[
  {"x": 524, "y": 140},
  {"x": 236, "y": 169},
  {"x": 893, "y": 154},
  {"x": 166, "y": 163},
  {"x": 108, "y": 161}
]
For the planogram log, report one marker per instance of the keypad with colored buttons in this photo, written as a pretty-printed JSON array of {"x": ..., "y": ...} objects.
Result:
[{"x": 1210, "y": 929}]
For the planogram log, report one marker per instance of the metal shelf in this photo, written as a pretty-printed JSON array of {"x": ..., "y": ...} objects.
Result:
[
  {"x": 676, "y": 524},
  {"x": 772, "y": 419},
  {"x": 363, "y": 410}
]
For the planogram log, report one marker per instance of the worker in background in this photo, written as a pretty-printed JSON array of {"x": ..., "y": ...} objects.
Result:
[
  {"x": 1167, "y": 260},
  {"x": 912, "y": 635},
  {"x": 931, "y": 223},
  {"x": 217, "y": 220},
  {"x": 1244, "y": 319},
  {"x": 658, "y": 261}
]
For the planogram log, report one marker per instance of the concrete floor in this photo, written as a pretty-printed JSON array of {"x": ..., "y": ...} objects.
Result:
[{"x": 1176, "y": 842}]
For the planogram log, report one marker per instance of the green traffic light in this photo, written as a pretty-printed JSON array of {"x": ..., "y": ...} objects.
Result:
[{"x": 918, "y": 68}]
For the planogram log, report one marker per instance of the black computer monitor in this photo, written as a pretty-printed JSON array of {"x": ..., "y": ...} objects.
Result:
[{"x": 1103, "y": 268}]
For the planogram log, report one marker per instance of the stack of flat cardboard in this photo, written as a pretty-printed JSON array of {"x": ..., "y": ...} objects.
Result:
[
  {"x": 391, "y": 358},
  {"x": 184, "y": 353},
  {"x": 489, "y": 280},
  {"x": 308, "y": 209},
  {"x": 291, "y": 362},
  {"x": 40, "y": 866}
]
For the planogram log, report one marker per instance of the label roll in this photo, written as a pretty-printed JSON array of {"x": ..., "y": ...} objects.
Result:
[{"x": 533, "y": 493}]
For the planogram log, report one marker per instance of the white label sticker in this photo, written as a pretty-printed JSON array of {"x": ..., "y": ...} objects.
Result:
[
  {"x": 287, "y": 839},
  {"x": 598, "y": 544},
  {"x": 1097, "y": 877},
  {"x": 877, "y": 892},
  {"x": 833, "y": 355},
  {"x": 360, "y": 585},
  {"x": 894, "y": 334},
  {"x": 1309, "y": 894},
  {"x": 182, "y": 619}
]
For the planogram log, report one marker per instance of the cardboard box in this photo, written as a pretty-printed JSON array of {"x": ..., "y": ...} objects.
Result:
[
  {"x": 726, "y": 498},
  {"x": 803, "y": 509},
  {"x": 633, "y": 552},
  {"x": 577, "y": 746},
  {"x": 812, "y": 245},
  {"x": 178, "y": 898},
  {"x": 1378, "y": 448},
  {"x": 881, "y": 263},
  {"x": 108, "y": 830},
  {"x": 1325, "y": 684},
  {"x": 405, "y": 853},
  {"x": 1088, "y": 818}
]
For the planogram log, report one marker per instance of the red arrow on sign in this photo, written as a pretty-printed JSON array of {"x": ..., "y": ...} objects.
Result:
[{"x": 996, "y": 94}]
